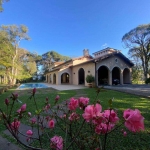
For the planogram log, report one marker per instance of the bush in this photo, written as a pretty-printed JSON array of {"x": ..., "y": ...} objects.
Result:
[
  {"x": 75, "y": 124},
  {"x": 147, "y": 81},
  {"x": 90, "y": 78}
]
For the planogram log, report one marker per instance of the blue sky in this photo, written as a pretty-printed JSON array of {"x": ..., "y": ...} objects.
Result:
[{"x": 69, "y": 26}]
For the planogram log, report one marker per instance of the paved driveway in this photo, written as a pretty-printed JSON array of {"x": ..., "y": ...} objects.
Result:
[{"x": 136, "y": 89}]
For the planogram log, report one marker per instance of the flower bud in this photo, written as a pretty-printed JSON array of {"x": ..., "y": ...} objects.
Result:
[
  {"x": 6, "y": 101},
  {"x": 34, "y": 91}
]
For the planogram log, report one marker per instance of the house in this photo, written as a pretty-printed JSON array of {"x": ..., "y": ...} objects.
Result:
[{"x": 106, "y": 65}]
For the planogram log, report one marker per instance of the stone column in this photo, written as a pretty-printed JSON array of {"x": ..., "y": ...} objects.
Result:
[
  {"x": 121, "y": 77},
  {"x": 110, "y": 77},
  {"x": 96, "y": 77}
]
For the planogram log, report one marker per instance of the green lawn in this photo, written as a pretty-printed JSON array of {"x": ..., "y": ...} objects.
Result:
[{"x": 121, "y": 101}]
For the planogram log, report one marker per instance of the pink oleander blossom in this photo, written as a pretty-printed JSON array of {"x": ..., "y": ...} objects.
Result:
[
  {"x": 56, "y": 143},
  {"x": 74, "y": 116},
  {"x": 51, "y": 124},
  {"x": 73, "y": 104},
  {"x": 134, "y": 121},
  {"x": 29, "y": 133},
  {"x": 83, "y": 102},
  {"x": 111, "y": 116},
  {"x": 15, "y": 125}
]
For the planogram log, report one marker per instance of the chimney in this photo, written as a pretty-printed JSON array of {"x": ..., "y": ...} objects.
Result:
[{"x": 85, "y": 52}]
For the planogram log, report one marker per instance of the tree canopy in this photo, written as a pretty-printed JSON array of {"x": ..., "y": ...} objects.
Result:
[
  {"x": 138, "y": 42},
  {"x": 1, "y": 3}
]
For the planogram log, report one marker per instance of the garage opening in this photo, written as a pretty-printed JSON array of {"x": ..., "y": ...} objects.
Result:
[
  {"x": 126, "y": 76},
  {"x": 103, "y": 75},
  {"x": 116, "y": 75},
  {"x": 65, "y": 78},
  {"x": 81, "y": 76},
  {"x": 54, "y": 78}
]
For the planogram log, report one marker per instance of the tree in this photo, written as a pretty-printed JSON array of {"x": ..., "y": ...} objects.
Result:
[
  {"x": 1, "y": 2},
  {"x": 14, "y": 34},
  {"x": 49, "y": 58},
  {"x": 138, "y": 42},
  {"x": 6, "y": 51}
]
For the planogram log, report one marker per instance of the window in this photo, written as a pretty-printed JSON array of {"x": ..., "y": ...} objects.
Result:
[{"x": 116, "y": 60}]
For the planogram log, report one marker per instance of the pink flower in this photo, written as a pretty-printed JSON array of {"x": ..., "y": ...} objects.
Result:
[
  {"x": 29, "y": 133},
  {"x": 103, "y": 128},
  {"x": 73, "y": 104},
  {"x": 111, "y": 116},
  {"x": 92, "y": 112},
  {"x": 33, "y": 120},
  {"x": 47, "y": 118},
  {"x": 6, "y": 101},
  {"x": 97, "y": 110},
  {"x": 19, "y": 111},
  {"x": 16, "y": 95},
  {"x": 34, "y": 91},
  {"x": 15, "y": 125},
  {"x": 46, "y": 99},
  {"x": 57, "y": 142},
  {"x": 51, "y": 124},
  {"x": 47, "y": 107},
  {"x": 23, "y": 108},
  {"x": 88, "y": 113},
  {"x": 134, "y": 121},
  {"x": 29, "y": 114},
  {"x": 74, "y": 116},
  {"x": 57, "y": 98},
  {"x": 124, "y": 133},
  {"x": 83, "y": 102}
]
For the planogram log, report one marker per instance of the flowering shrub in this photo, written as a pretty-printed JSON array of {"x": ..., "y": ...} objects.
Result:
[{"x": 74, "y": 124}]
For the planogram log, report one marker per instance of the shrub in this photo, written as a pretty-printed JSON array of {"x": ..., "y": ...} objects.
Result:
[
  {"x": 147, "y": 81},
  {"x": 90, "y": 78},
  {"x": 74, "y": 124}
]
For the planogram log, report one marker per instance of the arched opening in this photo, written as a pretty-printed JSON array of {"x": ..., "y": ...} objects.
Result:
[
  {"x": 103, "y": 75},
  {"x": 126, "y": 76},
  {"x": 81, "y": 76},
  {"x": 116, "y": 76},
  {"x": 65, "y": 78},
  {"x": 50, "y": 80},
  {"x": 54, "y": 78}
]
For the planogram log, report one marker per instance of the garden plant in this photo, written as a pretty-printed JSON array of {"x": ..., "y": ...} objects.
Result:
[{"x": 73, "y": 124}]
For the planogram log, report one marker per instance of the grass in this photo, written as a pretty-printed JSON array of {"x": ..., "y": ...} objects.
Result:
[{"x": 121, "y": 101}]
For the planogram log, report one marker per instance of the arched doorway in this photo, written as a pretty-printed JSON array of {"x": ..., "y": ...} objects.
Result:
[
  {"x": 126, "y": 76},
  {"x": 65, "y": 78},
  {"x": 81, "y": 76},
  {"x": 54, "y": 78},
  {"x": 116, "y": 75},
  {"x": 103, "y": 75}
]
